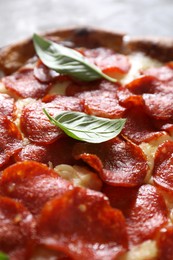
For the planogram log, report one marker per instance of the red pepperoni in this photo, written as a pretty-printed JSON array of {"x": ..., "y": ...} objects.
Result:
[
  {"x": 82, "y": 225},
  {"x": 127, "y": 99},
  {"x": 33, "y": 184},
  {"x": 38, "y": 153},
  {"x": 16, "y": 228},
  {"x": 118, "y": 162},
  {"x": 35, "y": 124},
  {"x": 143, "y": 84},
  {"x": 144, "y": 209},
  {"x": 108, "y": 61},
  {"x": 24, "y": 84},
  {"x": 119, "y": 197},
  {"x": 102, "y": 103},
  {"x": 139, "y": 126},
  {"x": 7, "y": 105},
  {"x": 43, "y": 73},
  {"x": 159, "y": 106},
  {"x": 165, "y": 244},
  {"x": 146, "y": 216},
  {"x": 164, "y": 73},
  {"x": 163, "y": 161},
  {"x": 60, "y": 152},
  {"x": 75, "y": 88},
  {"x": 10, "y": 140},
  {"x": 149, "y": 84}
]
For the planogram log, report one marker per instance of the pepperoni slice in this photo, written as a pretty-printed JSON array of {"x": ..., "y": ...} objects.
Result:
[
  {"x": 144, "y": 209},
  {"x": 164, "y": 73},
  {"x": 118, "y": 162},
  {"x": 16, "y": 228},
  {"x": 75, "y": 89},
  {"x": 159, "y": 106},
  {"x": 81, "y": 224},
  {"x": 35, "y": 124},
  {"x": 33, "y": 152},
  {"x": 119, "y": 197},
  {"x": 143, "y": 84},
  {"x": 163, "y": 161},
  {"x": 46, "y": 154},
  {"x": 139, "y": 126},
  {"x": 146, "y": 216},
  {"x": 10, "y": 140},
  {"x": 33, "y": 184},
  {"x": 128, "y": 99},
  {"x": 108, "y": 61},
  {"x": 165, "y": 244},
  {"x": 102, "y": 103},
  {"x": 149, "y": 84},
  {"x": 24, "y": 84},
  {"x": 43, "y": 73},
  {"x": 7, "y": 106}
]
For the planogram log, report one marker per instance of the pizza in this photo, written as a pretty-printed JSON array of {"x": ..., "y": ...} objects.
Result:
[{"x": 86, "y": 147}]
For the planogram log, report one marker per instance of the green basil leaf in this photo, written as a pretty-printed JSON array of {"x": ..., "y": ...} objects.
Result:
[
  {"x": 87, "y": 128},
  {"x": 67, "y": 61},
  {"x": 3, "y": 256}
]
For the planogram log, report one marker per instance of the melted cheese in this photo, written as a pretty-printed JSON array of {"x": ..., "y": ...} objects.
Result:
[
  {"x": 79, "y": 176},
  {"x": 3, "y": 88},
  {"x": 149, "y": 150},
  {"x": 145, "y": 251},
  {"x": 139, "y": 61},
  {"x": 20, "y": 104},
  {"x": 59, "y": 88}
]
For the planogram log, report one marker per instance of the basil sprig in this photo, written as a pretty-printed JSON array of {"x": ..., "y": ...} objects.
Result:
[
  {"x": 67, "y": 61},
  {"x": 3, "y": 256},
  {"x": 87, "y": 128}
]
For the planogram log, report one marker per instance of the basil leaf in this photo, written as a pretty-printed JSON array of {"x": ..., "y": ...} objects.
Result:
[
  {"x": 87, "y": 128},
  {"x": 3, "y": 256},
  {"x": 67, "y": 61}
]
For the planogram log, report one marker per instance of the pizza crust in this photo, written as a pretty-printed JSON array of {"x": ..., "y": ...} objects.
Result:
[{"x": 14, "y": 56}]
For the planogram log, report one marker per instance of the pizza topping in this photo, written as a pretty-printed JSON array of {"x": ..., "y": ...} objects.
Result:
[
  {"x": 127, "y": 99},
  {"x": 7, "y": 106},
  {"x": 146, "y": 215},
  {"x": 165, "y": 244},
  {"x": 108, "y": 61},
  {"x": 159, "y": 106},
  {"x": 163, "y": 73},
  {"x": 10, "y": 140},
  {"x": 79, "y": 176},
  {"x": 118, "y": 162},
  {"x": 16, "y": 228},
  {"x": 102, "y": 103},
  {"x": 67, "y": 61},
  {"x": 34, "y": 152},
  {"x": 77, "y": 88},
  {"x": 83, "y": 127},
  {"x": 35, "y": 124},
  {"x": 43, "y": 73},
  {"x": 33, "y": 184},
  {"x": 144, "y": 209},
  {"x": 162, "y": 174},
  {"x": 82, "y": 224},
  {"x": 139, "y": 126},
  {"x": 59, "y": 152},
  {"x": 3, "y": 256},
  {"x": 25, "y": 85}
]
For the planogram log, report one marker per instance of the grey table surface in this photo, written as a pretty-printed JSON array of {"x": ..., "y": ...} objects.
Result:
[{"x": 21, "y": 18}]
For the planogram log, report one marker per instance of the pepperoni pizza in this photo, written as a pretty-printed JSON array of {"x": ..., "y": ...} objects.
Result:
[{"x": 62, "y": 198}]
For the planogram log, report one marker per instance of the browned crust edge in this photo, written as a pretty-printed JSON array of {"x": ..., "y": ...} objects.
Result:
[
  {"x": 158, "y": 48},
  {"x": 14, "y": 56}
]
